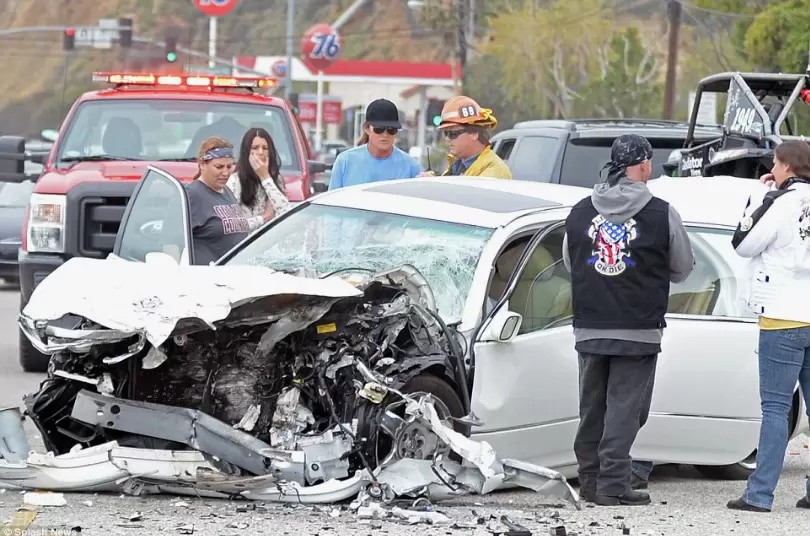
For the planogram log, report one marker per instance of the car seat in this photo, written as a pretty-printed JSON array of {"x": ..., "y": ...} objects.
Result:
[
  {"x": 505, "y": 266},
  {"x": 542, "y": 294},
  {"x": 122, "y": 138}
]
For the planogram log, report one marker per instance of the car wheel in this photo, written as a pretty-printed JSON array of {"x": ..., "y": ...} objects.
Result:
[
  {"x": 440, "y": 389},
  {"x": 416, "y": 439},
  {"x": 736, "y": 471},
  {"x": 743, "y": 469}
]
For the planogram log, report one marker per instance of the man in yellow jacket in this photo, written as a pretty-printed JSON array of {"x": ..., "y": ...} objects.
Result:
[{"x": 467, "y": 128}]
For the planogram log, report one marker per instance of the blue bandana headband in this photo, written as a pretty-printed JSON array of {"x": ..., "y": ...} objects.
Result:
[{"x": 219, "y": 152}]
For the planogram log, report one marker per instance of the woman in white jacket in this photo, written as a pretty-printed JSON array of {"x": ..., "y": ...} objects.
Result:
[
  {"x": 257, "y": 182},
  {"x": 775, "y": 234}
]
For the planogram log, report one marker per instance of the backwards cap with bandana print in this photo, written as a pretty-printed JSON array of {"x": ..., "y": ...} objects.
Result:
[{"x": 628, "y": 150}]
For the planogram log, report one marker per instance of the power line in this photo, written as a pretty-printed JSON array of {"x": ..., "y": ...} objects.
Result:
[
  {"x": 616, "y": 10},
  {"x": 729, "y": 14}
]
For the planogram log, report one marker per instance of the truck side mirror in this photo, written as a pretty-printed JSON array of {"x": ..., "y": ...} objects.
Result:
[
  {"x": 38, "y": 157},
  {"x": 12, "y": 159},
  {"x": 317, "y": 167}
]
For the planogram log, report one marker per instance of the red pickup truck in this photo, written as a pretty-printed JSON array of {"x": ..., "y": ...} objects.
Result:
[{"x": 105, "y": 144}]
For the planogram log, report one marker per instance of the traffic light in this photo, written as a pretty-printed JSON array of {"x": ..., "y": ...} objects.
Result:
[
  {"x": 171, "y": 47},
  {"x": 69, "y": 39},
  {"x": 433, "y": 116},
  {"x": 125, "y": 32}
]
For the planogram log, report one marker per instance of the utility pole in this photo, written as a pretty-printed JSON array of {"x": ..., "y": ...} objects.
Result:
[
  {"x": 290, "y": 30},
  {"x": 462, "y": 43},
  {"x": 674, "y": 11}
]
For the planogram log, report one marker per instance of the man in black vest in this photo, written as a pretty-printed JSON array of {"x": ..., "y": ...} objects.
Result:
[{"x": 622, "y": 246}]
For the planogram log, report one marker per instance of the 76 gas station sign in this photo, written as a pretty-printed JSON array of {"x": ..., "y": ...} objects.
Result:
[{"x": 215, "y": 8}]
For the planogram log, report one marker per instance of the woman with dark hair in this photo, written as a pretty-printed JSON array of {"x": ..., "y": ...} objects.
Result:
[
  {"x": 218, "y": 223},
  {"x": 774, "y": 233},
  {"x": 257, "y": 183}
]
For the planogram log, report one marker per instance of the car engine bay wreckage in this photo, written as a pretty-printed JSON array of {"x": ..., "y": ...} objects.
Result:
[{"x": 244, "y": 382}]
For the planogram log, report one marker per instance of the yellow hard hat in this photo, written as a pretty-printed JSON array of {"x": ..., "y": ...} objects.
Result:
[{"x": 463, "y": 110}]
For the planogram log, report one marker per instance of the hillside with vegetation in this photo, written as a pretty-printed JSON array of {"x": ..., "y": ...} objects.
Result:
[
  {"x": 40, "y": 81},
  {"x": 525, "y": 58}
]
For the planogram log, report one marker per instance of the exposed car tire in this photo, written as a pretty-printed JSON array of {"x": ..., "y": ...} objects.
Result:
[
  {"x": 428, "y": 383},
  {"x": 30, "y": 359},
  {"x": 743, "y": 469},
  {"x": 736, "y": 471},
  {"x": 447, "y": 404}
]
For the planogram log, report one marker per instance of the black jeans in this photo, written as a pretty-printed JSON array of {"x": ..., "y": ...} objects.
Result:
[{"x": 615, "y": 393}]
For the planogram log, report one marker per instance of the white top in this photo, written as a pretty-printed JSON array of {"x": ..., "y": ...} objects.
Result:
[
  {"x": 268, "y": 191},
  {"x": 777, "y": 240}
]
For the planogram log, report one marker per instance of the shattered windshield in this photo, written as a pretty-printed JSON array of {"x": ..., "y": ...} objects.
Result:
[{"x": 325, "y": 240}]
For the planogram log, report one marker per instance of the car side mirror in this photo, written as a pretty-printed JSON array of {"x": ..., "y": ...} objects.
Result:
[
  {"x": 12, "y": 159},
  {"x": 503, "y": 327}
]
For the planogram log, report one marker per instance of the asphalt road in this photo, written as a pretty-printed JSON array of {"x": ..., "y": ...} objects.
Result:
[{"x": 684, "y": 503}]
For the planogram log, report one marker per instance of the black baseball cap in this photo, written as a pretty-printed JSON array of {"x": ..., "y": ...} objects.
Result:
[{"x": 383, "y": 113}]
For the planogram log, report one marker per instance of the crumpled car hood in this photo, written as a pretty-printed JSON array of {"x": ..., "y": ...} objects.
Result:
[
  {"x": 151, "y": 297},
  {"x": 241, "y": 382}
]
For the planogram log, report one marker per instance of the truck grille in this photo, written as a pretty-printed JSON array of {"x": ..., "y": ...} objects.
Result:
[{"x": 100, "y": 217}]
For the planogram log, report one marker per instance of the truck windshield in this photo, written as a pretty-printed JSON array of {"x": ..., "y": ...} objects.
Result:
[{"x": 168, "y": 129}]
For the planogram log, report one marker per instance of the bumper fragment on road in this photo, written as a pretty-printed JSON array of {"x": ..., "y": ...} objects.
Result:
[{"x": 140, "y": 471}]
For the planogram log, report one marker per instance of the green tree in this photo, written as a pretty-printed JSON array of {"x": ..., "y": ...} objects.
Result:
[
  {"x": 546, "y": 53},
  {"x": 629, "y": 81},
  {"x": 731, "y": 18},
  {"x": 778, "y": 38}
]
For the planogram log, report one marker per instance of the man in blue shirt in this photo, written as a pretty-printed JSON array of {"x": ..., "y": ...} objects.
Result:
[{"x": 376, "y": 158}]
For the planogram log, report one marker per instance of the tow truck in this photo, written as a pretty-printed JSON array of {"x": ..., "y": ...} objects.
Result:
[
  {"x": 756, "y": 120},
  {"x": 105, "y": 144}
]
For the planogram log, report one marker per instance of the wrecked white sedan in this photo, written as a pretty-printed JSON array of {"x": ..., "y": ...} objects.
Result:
[{"x": 335, "y": 351}]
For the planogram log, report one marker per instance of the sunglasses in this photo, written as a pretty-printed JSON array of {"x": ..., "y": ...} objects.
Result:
[
  {"x": 380, "y": 130},
  {"x": 453, "y": 134}
]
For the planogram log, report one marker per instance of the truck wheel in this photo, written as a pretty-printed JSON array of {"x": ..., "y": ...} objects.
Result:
[{"x": 30, "y": 359}]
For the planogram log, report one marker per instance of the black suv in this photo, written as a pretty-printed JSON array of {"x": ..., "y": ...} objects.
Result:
[{"x": 573, "y": 152}]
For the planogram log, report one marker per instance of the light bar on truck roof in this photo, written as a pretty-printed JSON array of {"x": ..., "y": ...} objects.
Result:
[{"x": 195, "y": 80}]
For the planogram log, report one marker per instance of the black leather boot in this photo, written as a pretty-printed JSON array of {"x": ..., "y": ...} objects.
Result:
[{"x": 631, "y": 498}]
